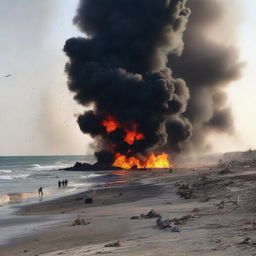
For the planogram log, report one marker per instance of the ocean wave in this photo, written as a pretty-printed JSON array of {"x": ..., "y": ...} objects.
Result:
[
  {"x": 5, "y": 177},
  {"x": 21, "y": 176},
  {"x": 16, "y": 176},
  {"x": 38, "y": 167},
  {"x": 5, "y": 171},
  {"x": 16, "y": 197}
]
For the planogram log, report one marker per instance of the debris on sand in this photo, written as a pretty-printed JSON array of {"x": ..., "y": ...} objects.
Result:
[
  {"x": 234, "y": 202},
  {"x": 186, "y": 191},
  {"x": 172, "y": 223},
  {"x": 195, "y": 210},
  {"x": 150, "y": 215},
  {"x": 163, "y": 224},
  {"x": 116, "y": 244},
  {"x": 80, "y": 221},
  {"x": 175, "y": 230},
  {"x": 249, "y": 242},
  {"x": 182, "y": 220},
  {"x": 88, "y": 200},
  {"x": 225, "y": 170}
]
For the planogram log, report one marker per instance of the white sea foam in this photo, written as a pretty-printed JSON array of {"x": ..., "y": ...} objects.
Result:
[
  {"x": 4, "y": 199},
  {"x": 5, "y": 177},
  {"x": 5, "y": 171},
  {"x": 16, "y": 176},
  {"x": 38, "y": 167},
  {"x": 21, "y": 176},
  {"x": 91, "y": 175},
  {"x": 16, "y": 197}
]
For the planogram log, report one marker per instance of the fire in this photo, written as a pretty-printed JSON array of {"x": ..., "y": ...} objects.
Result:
[
  {"x": 152, "y": 161},
  {"x": 132, "y": 135},
  {"x": 111, "y": 124}
]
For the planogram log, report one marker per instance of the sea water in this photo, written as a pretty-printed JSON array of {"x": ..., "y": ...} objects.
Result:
[{"x": 21, "y": 177}]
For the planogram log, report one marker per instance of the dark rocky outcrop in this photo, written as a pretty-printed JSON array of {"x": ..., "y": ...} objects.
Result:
[{"x": 90, "y": 167}]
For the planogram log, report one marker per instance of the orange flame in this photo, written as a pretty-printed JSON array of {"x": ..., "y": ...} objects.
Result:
[
  {"x": 132, "y": 135},
  {"x": 152, "y": 161},
  {"x": 111, "y": 124}
]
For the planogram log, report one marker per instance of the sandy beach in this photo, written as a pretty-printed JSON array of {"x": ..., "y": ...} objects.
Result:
[{"x": 219, "y": 215}]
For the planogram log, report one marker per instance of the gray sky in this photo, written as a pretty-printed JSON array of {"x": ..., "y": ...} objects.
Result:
[{"x": 37, "y": 112}]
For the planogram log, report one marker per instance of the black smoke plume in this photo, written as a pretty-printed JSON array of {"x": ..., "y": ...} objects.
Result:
[
  {"x": 208, "y": 66},
  {"x": 121, "y": 70}
]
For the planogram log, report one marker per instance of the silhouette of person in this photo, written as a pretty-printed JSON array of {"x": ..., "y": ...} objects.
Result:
[
  {"x": 40, "y": 191},
  {"x": 59, "y": 184},
  {"x": 66, "y": 182}
]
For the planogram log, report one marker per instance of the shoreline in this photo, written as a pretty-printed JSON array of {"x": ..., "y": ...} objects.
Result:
[
  {"x": 214, "y": 222},
  {"x": 60, "y": 213}
]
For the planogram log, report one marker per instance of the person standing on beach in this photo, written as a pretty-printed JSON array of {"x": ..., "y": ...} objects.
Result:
[
  {"x": 59, "y": 184},
  {"x": 66, "y": 182},
  {"x": 40, "y": 192}
]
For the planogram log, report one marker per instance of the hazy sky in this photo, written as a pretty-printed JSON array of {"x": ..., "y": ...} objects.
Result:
[{"x": 37, "y": 112}]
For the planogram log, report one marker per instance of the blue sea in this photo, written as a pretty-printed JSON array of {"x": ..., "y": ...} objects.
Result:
[{"x": 21, "y": 176}]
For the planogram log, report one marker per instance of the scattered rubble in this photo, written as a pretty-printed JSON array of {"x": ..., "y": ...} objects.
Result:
[
  {"x": 163, "y": 224},
  {"x": 135, "y": 217},
  {"x": 223, "y": 203},
  {"x": 115, "y": 244},
  {"x": 236, "y": 163},
  {"x": 186, "y": 191},
  {"x": 225, "y": 170},
  {"x": 249, "y": 242},
  {"x": 150, "y": 215},
  {"x": 80, "y": 221},
  {"x": 172, "y": 223}
]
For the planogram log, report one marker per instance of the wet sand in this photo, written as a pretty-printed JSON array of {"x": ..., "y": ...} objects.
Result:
[{"x": 210, "y": 230}]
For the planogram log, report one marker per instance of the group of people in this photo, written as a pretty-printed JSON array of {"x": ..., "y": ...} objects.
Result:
[{"x": 62, "y": 183}]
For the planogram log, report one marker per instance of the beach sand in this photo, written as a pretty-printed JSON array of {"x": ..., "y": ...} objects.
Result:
[{"x": 210, "y": 228}]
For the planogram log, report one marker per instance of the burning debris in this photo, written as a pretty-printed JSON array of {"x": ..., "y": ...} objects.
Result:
[{"x": 120, "y": 71}]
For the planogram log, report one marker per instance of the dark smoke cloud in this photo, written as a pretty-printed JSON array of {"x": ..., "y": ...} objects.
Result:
[
  {"x": 208, "y": 67},
  {"x": 121, "y": 70}
]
